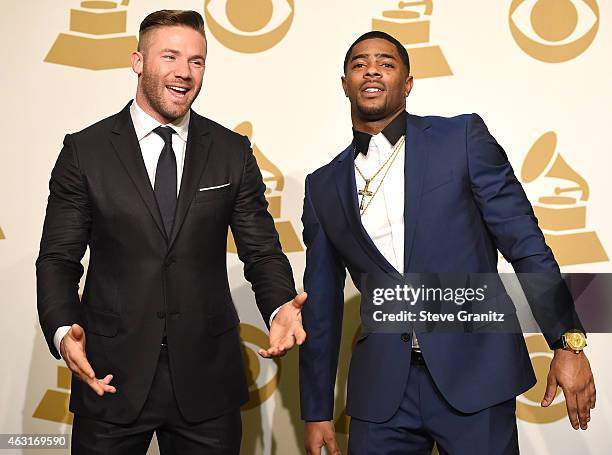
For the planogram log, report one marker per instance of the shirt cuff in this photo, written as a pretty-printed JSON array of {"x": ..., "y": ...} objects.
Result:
[
  {"x": 274, "y": 314},
  {"x": 60, "y": 333}
]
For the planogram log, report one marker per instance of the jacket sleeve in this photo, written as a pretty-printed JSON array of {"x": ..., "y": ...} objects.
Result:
[
  {"x": 64, "y": 241},
  {"x": 265, "y": 265},
  {"x": 511, "y": 221},
  {"x": 322, "y": 317}
]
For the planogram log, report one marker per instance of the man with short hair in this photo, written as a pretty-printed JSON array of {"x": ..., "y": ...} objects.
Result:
[
  {"x": 152, "y": 191},
  {"x": 422, "y": 195}
]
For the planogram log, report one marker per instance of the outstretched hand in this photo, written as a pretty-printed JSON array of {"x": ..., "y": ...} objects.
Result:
[
  {"x": 286, "y": 329},
  {"x": 72, "y": 349}
]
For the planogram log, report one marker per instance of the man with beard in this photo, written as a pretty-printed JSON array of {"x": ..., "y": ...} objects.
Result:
[
  {"x": 422, "y": 195},
  {"x": 152, "y": 191}
]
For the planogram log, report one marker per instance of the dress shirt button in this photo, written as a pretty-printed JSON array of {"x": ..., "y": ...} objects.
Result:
[
  {"x": 405, "y": 337},
  {"x": 161, "y": 314}
]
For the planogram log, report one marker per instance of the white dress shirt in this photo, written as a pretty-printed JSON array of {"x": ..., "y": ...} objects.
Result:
[
  {"x": 384, "y": 218},
  {"x": 151, "y": 146},
  {"x": 151, "y": 143}
]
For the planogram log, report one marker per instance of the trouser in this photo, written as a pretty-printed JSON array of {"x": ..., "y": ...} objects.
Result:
[
  {"x": 425, "y": 417},
  {"x": 160, "y": 415}
]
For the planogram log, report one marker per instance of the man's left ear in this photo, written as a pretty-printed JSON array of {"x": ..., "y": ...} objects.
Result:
[{"x": 408, "y": 85}]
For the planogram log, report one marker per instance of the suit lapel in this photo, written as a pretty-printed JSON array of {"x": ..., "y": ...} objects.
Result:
[
  {"x": 347, "y": 191},
  {"x": 415, "y": 164},
  {"x": 196, "y": 155},
  {"x": 126, "y": 147}
]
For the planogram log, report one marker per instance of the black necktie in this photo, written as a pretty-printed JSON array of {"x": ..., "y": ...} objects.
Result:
[{"x": 165, "y": 179}]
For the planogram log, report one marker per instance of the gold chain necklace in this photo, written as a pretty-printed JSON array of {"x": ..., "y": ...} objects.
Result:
[{"x": 389, "y": 161}]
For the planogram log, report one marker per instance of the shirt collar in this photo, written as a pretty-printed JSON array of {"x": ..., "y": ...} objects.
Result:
[
  {"x": 393, "y": 131},
  {"x": 144, "y": 124}
]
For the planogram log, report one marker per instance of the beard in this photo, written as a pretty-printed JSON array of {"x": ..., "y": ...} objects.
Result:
[
  {"x": 372, "y": 112},
  {"x": 153, "y": 89}
]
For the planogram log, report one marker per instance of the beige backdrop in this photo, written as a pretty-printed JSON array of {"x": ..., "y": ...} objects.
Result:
[{"x": 538, "y": 71}]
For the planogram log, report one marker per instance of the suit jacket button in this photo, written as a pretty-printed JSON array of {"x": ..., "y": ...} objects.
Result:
[
  {"x": 405, "y": 337},
  {"x": 161, "y": 314},
  {"x": 169, "y": 261}
]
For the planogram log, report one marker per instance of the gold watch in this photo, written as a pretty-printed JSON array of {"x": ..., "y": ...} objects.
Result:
[{"x": 574, "y": 340}]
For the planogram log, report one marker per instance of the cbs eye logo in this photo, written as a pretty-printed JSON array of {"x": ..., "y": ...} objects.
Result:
[
  {"x": 249, "y": 26},
  {"x": 554, "y": 31}
]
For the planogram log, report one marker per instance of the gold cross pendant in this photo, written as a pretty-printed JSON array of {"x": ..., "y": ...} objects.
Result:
[{"x": 363, "y": 193}]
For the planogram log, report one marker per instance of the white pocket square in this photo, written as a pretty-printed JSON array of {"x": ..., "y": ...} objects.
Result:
[{"x": 216, "y": 187}]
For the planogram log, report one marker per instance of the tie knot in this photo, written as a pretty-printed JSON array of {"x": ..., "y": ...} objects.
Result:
[{"x": 165, "y": 132}]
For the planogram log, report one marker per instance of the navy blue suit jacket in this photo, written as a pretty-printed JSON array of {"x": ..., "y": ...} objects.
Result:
[{"x": 463, "y": 203}]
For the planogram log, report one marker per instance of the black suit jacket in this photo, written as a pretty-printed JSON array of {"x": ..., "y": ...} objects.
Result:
[{"x": 138, "y": 279}]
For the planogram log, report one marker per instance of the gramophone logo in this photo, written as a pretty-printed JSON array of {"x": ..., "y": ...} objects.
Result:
[
  {"x": 54, "y": 403},
  {"x": 97, "y": 39},
  {"x": 249, "y": 26},
  {"x": 528, "y": 404},
  {"x": 562, "y": 214},
  {"x": 261, "y": 384},
  {"x": 412, "y": 30},
  {"x": 554, "y": 31},
  {"x": 275, "y": 182}
]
